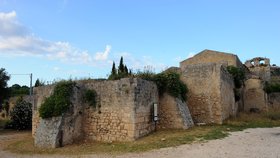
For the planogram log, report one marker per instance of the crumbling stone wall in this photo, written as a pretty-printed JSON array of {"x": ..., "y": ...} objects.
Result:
[
  {"x": 39, "y": 95},
  {"x": 210, "y": 96},
  {"x": 255, "y": 98},
  {"x": 123, "y": 113},
  {"x": 210, "y": 56},
  {"x": 59, "y": 131},
  {"x": 173, "y": 113},
  {"x": 259, "y": 67}
]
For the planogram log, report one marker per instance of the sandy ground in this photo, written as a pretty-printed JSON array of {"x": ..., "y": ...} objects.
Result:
[{"x": 252, "y": 143}]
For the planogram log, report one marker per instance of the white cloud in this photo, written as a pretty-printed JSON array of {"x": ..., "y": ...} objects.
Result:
[
  {"x": 56, "y": 68},
  {"x": 103, "y": 55},
  {"x": 140, "y": 63},
  {"x": 9, "y": 26},
  {"x": 17, "y": 40},
  {"x": 191, "y": 54}
]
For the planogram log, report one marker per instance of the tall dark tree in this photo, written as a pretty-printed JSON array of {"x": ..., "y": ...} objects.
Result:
[
  {"x": 125, "y": 70},
  {"x": 38, "y": 83},
  {"x": 121, "y": 66},
  {"x": 114, "y": 71},
  {"x": 4, "y": 78}
]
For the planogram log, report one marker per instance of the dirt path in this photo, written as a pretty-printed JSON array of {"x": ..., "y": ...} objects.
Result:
[{"x": 254, "y": 143}]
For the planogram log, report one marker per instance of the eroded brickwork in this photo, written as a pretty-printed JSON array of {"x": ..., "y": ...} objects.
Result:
[{"x": 210, "y": 96}]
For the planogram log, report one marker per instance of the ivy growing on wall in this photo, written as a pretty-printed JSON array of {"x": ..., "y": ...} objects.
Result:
[
  {"x": 90, "y": 97},
  {"x": 59, "y": 101},
  {"x": 238, "y": 75}
]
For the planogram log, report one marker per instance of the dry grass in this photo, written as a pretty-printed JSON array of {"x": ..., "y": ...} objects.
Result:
[{"x": 156, "y": 140}]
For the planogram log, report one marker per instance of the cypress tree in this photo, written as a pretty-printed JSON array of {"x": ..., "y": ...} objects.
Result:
[
  {"x": 125, "y": 70},
  {"x": 121, "y": 66},
  {"x": 114, "y": 71}
]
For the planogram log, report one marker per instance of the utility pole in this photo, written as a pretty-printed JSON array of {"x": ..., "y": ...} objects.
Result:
[{"x": 30, "y": 90}]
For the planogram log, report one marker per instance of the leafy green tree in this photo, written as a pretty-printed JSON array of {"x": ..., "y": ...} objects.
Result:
[
  {"x": 17, "y": 90},
  {"x": 21, "y": 115},
  {"x": 4, "y": 78}
]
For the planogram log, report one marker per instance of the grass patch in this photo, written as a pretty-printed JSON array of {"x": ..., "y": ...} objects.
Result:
[{"x": 156, "y": 140}]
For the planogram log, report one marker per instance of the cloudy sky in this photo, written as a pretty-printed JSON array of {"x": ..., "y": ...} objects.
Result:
[{"x": 62, "y": 39}]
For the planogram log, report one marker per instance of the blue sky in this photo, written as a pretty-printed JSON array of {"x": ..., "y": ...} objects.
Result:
[{"x": 61, "y": 39}]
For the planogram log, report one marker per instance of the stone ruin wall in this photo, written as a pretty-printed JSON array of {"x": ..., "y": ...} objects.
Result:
[
  {"x": 123, "y": 113},
  {"x": 39, "y": 95},
  {"x": 259, "y": 67},
  {"x": 228, "y": 103},
  {"x": 173, "y": 113},
  {"x": 57, "y": 131},
  {"x": 208, "y": 83},
  {"x": 125, "y": 110},
  {"x": 255, "y": 98},
  {"x": 208, "y": 56}
]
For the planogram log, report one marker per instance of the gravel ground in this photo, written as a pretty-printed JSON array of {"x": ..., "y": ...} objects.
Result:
[{"x": 250, "y": 143}]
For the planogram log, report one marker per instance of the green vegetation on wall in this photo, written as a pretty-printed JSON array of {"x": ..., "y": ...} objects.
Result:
[
  {"x": 90, "y": 97},
  {"x": 166, "y": 82},
  {"x": 59, "y": 101},
  {"x": 238, "y": 75}
]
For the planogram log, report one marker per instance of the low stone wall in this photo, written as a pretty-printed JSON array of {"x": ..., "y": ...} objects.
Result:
[
  {"x": 208, "y": 83},
  {"x": 173, "y": 113},
  {"x": 255, "y": 98}
]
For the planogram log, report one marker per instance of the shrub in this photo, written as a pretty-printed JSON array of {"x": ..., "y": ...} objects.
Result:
[
  {"x": 59, "y": 102},
  {"x": 238, "y": 75},
  {"x": 90, "y": 97},
  {"x": 271, "y": 87},
  {"x": 21, "y": 115},
  {"x": 167, "y": 82}
]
